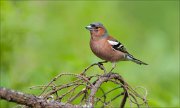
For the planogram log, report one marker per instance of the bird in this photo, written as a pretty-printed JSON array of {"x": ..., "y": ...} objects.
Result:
[{"x": 107, "y": 48}]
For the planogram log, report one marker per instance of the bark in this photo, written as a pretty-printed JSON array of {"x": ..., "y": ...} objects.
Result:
[{"x": 31, "y": 100}]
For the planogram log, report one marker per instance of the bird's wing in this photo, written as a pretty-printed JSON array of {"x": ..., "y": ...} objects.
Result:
[{"x": 116, "y": 45}]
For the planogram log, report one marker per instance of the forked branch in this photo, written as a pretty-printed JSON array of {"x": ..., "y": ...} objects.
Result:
[{"x": 81, "y": 90}]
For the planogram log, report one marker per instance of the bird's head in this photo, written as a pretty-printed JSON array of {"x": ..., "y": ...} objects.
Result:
[{"x": 97, "y": 30}]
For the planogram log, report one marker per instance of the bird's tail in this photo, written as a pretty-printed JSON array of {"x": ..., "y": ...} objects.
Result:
[
  {"x": 131, "y": 58},
  {"x": 138, "y": 61}
]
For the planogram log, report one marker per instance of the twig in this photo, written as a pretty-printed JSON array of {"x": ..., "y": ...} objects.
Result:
[
  {"x": 80, "y": 93},
  {"x": 92, "y": 85},
  {"x": 60, "y": 97},
  {"x": 124, "y": 100},
  {"x": 115, "y": 98},
  {"x": 100, "y": 64}
]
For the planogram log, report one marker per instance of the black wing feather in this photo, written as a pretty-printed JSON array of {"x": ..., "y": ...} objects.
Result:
[{"x": 119, "y": 47}]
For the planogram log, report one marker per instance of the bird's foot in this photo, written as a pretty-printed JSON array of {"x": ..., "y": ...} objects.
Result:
[{"x": 100, "y": 64}]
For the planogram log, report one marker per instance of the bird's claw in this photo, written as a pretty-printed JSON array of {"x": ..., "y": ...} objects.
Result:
[{"x": 100, "y": 65}]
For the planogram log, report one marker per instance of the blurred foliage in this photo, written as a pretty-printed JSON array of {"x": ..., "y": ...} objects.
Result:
[{"x": 40, "y": 39}]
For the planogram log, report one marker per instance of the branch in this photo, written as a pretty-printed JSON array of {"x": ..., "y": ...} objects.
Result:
[
  {"x": 30, "y": 100},
  {"x": 102, "y": 79},
  {"x": 83, "y": 90}
]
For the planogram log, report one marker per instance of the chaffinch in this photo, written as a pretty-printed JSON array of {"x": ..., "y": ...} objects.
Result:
[{"x": 106, "y": 47}]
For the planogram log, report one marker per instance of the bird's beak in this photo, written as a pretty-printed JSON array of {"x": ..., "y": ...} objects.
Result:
[{"x": 88, "y": 27}]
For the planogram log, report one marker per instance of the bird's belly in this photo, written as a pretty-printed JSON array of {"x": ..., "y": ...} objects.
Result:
[{"x": 108, "y": 54}]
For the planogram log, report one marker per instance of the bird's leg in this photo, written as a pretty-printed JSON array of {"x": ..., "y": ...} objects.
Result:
[
  {"x": 113, "y": 66},
  {"x": 100, "y": 64}
]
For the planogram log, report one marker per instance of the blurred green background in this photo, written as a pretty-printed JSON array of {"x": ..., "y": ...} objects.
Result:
[{"x": 40, "y": 39}]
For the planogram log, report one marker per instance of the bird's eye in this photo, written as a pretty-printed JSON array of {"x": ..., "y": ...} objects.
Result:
[{"x": 96, "y": 27}]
